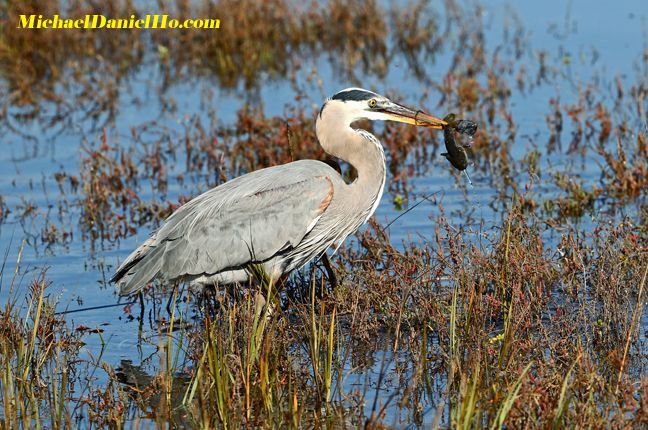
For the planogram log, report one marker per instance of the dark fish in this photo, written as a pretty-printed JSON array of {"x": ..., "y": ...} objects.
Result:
[
  {"x": 457, "y": 154},
  {"x": 462, "y": 126},
  {"x": 466, "y": 127}
]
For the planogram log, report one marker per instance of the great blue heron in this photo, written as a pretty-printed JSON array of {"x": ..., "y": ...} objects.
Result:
[{"x": 279, "y": 217}]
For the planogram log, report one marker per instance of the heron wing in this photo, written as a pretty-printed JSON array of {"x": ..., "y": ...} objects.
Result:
[{"x": 249, "y": 219}]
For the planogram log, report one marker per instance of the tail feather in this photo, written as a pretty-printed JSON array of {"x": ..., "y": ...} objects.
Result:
[{"x": 136, "y": 272}]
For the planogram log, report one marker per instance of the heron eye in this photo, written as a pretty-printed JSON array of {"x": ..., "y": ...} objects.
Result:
[{"x": 372, "y": 103}]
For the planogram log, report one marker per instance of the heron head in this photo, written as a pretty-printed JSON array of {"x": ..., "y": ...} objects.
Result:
[{"x": 356, "y": 103}]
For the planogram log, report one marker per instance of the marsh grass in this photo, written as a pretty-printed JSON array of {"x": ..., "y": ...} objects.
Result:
[
  {"x": 511, "y": 355},
  {"x": 489, "y": 326},
  {"x": 35, "y": 358}
]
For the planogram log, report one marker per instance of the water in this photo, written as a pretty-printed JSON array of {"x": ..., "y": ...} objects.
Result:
[{"x": 588, "y": 40}]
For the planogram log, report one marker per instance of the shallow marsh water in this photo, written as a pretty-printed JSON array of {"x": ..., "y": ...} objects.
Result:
[{"x": 587, "y": 47}]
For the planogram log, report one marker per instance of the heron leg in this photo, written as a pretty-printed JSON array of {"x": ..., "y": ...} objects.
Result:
[
  {"x": 140, "y": 328},
  {"x": 172, "y": 298},
  {"x": 140, "y": 296},
  {"x": 330, "y": 273},
  {"x": 168, "y": 305}
]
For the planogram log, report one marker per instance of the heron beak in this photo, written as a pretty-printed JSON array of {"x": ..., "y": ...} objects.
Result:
[{"x": 396, "y": 112}]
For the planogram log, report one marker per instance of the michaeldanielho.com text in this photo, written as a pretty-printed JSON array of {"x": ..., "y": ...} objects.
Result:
[{"x": 100, "y": 21}]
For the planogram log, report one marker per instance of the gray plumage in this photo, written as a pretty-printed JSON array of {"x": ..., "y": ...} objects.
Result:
[{"x": 280, "y": 217}]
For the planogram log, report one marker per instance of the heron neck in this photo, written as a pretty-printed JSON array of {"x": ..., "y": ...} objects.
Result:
[
  {"x": 365, "y": 153},
  {"x": 368, "y": 158}
]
